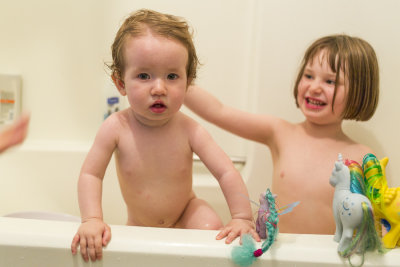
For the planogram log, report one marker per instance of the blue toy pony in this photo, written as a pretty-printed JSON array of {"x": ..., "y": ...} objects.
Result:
[{"x": 352, "y": 211}]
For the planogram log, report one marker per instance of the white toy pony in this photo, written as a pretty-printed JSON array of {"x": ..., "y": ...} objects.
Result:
[{"x": 352, "y": 211}]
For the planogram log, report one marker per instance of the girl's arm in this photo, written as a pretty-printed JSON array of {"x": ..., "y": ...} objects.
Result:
[
  {"x": 259, "y": 128},
  {"x": 93, "y": 233},
  {"x": 230, "y": 181}
]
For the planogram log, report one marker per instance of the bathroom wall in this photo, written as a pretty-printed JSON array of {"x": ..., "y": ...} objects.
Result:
[{"x": 250, "y": 52}]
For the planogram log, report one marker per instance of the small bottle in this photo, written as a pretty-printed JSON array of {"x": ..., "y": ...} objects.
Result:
[
  {"x": 112, "y": 106},
  {"x": 113, "y": 102},
  {"x": 10, "y": 98}
]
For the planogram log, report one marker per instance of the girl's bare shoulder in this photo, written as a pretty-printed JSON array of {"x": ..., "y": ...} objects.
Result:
[{"x": 357, "y": 151}]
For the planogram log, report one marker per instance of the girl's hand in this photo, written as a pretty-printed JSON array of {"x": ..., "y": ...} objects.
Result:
[
  {"x": 238, "y": 227},
  {"x": 92, "y": 235}
]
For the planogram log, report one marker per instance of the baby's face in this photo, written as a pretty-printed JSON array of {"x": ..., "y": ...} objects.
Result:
[
  {"x": 155, "y": 79},
  {"x": 316, "y": 90}
]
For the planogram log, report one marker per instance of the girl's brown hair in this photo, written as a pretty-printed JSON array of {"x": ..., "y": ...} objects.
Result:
[
  {"x": 357, "y": 59},
  {"x": 165, "y": 25}
]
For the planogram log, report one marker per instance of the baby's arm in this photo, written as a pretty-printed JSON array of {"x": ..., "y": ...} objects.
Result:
[
  {"x": 93, "y": 233},
  {"x": 15, "y": 133},
  {"x": 231, "y": 183},
  {"x": 256, "y": 127}
]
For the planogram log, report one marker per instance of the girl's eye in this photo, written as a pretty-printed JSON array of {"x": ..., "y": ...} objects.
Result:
[
  {"x": 330, "y": 82},
  {"x": 308, "y": 76},
  {"x": 143, "y": 76},
  {"x": 172, "y": 76}
]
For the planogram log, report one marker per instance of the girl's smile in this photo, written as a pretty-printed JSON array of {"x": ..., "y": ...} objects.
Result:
[
  {"x": 314, "y": 103},
  {"x": 320, "y": 98}
]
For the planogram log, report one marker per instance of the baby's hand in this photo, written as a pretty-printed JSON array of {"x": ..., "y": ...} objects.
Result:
[
  {"x": 238, "y": 227},
  {"x": 92, "y": 235}
]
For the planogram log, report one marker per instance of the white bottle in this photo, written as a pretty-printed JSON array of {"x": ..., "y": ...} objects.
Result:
[{"x": 10, "y": 98}]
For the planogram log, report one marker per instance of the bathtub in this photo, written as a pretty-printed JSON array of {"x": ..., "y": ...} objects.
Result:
[
  {"x": 41, "y": 178},
  {"x": 30, "y": 242}
]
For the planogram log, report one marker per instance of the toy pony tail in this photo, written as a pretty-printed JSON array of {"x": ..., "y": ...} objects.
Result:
[
  {"x": 244, "y": 255},
  {"x": 272, "y": 225},
  {"x": 366, "y": 238}
]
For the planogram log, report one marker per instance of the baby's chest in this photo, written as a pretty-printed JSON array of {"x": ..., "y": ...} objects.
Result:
[{"x": 143, "y": 154}]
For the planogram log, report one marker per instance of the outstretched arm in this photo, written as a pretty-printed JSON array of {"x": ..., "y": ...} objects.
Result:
[
  {"x": 256, "y": 127},
  {"x": 15, "y": 133}
]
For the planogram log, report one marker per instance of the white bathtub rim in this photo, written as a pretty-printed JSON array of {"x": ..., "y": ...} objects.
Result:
[{"x": 179, "y": 242}]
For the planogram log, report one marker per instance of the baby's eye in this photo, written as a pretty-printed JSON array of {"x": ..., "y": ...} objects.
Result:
[
  {"x": 172, "y": 76},
  {"x": 308, "y": 76},
  {"x": 143, "y": 76}
]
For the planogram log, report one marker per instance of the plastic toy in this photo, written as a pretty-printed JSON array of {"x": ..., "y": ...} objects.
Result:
[
  {"x": 266, "y": 227},
  {"x": 352, "y": 211},
  {"x": 385, "y": 201},
  {"x": 264, "y": 212}
]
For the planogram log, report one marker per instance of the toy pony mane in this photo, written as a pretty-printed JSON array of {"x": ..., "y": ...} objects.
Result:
[
  {"x": 373, "y": 177},
  {"x": 356, "y": 177}
]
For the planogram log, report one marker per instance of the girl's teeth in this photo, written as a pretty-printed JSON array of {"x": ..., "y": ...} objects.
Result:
[{"x": 315, "y": 102}]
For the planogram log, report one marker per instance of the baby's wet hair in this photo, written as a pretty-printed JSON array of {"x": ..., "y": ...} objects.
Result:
[
  {"x": 358, "y": 61},
  {"x": 165, "y": 25}
]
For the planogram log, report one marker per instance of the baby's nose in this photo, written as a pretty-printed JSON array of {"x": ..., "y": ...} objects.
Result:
[{"x": 159, "y": 88}]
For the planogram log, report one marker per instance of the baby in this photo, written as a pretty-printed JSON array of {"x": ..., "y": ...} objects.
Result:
[
  {"x": 338, "y": 79},
  {"x": 154, "y": 62}
]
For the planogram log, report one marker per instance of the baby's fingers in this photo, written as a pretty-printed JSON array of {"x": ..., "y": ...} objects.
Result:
[
  {"x": 84, "y": 251},
  {"x": 96, "y": 253},
  {"x": 254, "y": 234},
  {"x": 74, "y": 244},
  {"x": 94, "y": 248},
  {"x": 106, "y": 235},
  {"x": 230, "y": 234},
  {"x": 223, "y": 233}
]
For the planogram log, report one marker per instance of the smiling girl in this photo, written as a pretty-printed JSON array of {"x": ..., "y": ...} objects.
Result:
[{"x": 338, "y": 79}]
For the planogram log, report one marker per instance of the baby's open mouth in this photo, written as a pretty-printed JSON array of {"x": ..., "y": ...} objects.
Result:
[
  {"x": 158, "y": 105},
  {"x": 315, "y": 102}
]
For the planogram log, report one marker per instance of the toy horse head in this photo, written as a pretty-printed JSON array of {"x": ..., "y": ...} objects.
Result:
[{"x": 340, "y": 174}]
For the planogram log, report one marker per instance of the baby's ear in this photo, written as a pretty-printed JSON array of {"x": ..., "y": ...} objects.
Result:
[
  {"x": 119, "y": 84},
  {"x": 189, "y": 83}
]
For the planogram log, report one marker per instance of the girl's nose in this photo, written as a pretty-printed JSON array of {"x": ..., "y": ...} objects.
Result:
[
  {"x": 159, "y": 87},
  {"x": 315, "y": 87}
]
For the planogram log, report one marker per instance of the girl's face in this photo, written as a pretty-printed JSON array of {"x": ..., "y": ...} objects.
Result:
[
  {"x": 316, "y": 89},
  {"x": 155, "y": 79}
]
